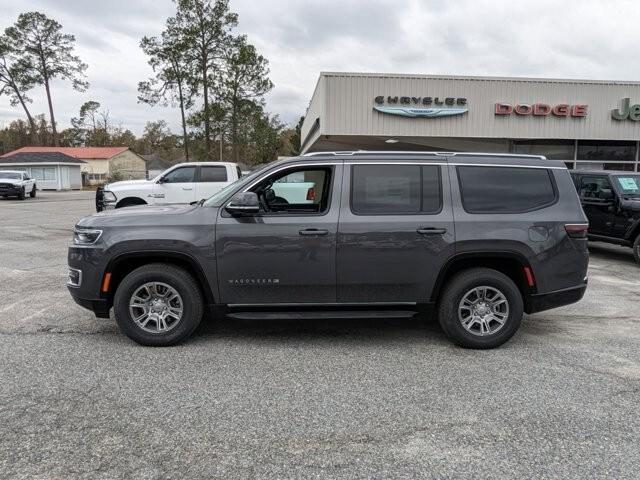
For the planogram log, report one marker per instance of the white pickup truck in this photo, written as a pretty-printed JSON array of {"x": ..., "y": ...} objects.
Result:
[
  {"x": 15, "y": 183},
  {"x": 181, "y": 184}
]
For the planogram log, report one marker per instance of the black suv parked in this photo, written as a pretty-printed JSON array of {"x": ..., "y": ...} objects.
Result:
[
  {"x": 481, "y": 238},
  {"x": 611, "y": 201}
]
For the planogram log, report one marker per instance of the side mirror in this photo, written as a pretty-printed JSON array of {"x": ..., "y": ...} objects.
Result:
[
  {"x": 606, "y": 194},
  {"x": 244, "y": 202},
  {"x": 161, "y": 180}
]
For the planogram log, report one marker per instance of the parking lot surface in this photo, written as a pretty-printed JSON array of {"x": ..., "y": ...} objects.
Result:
[{"x": 313, "y": 399}]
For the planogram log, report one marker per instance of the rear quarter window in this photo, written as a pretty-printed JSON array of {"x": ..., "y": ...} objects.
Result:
[{"x": 505, "y": 189}]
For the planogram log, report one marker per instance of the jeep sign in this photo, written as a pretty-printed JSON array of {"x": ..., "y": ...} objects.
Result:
[{"x": 626, "y": 111}]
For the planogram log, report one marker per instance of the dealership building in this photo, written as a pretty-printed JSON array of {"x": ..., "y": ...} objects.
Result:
[{"x": 588, "y": 124}]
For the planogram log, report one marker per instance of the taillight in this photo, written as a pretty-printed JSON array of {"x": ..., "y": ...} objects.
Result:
[
  {"x": 577, "y": 230},
  {"x": 311, "y": 194}
]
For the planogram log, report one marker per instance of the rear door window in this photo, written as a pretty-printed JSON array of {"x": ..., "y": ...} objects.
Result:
[
  {"x": 213, "y": 173},
  {"x": 594, "y": 188},
  {"x": 505, "y": 189},
  {"x": 395, "y": 189}
]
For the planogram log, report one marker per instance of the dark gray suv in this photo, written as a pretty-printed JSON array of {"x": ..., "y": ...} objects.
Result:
[{"x": 477, "y": 238}]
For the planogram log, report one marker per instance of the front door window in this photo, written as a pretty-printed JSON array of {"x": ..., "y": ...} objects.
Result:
[{"x": 295, "y": 192}]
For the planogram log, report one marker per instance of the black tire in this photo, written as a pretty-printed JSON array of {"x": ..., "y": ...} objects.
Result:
[
  {"x": 456, "y": 289},
  {"x": 175, "y": 277},
  {"x": 130, "y": 202},
  {"x": 32, "y": 193},
  {"x": 636, "y": 250},
  {"x": 22, "y": 195}
]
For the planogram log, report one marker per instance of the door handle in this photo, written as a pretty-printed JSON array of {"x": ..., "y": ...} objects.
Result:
[
  {"x": 431, "y": 231},
  {"x": 313, "y": 231},
  {"x": 187, "y": 188}
]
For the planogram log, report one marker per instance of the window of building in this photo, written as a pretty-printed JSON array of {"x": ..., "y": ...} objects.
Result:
[
  {"x": 180, "y": 175},
  {"x": 213, "y": 174},
  {"x": 627, "y": 167},
  {"x": 552, "y": 149},
  {"x": 612, "y": 151},
  {"x": 43, "y": 173},
  {"x": 505, "y": 189},
  {"x": 395, "y": 189}
]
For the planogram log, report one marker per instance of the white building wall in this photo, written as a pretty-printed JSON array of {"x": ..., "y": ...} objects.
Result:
[
  {"x": 65, "y": 177},
  {"x": 344, "y": 103}
]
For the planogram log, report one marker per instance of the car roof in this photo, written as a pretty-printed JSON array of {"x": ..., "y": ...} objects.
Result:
[{"x": 11, "y": 171}]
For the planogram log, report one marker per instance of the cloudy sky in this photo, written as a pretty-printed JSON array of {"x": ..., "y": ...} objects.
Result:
[{"x": 544, "y": 38}]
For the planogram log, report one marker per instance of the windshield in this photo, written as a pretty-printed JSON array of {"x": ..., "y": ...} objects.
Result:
[
  {"x": 219, "y": 198},
  {"x": 11, "y": 175},
  {"x": 629, "y": 185}
]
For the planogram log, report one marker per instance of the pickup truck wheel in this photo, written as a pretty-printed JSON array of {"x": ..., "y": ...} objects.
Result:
[
  {"x": 480, "y": 308},
  {"x": 636, "y": 249},
  {"x": 158, "y": 305},
  {"x": 32, "y": 194},
  {"x": 22, "y": 195}
]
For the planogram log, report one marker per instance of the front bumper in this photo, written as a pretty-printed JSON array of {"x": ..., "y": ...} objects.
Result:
[
  {"x": 8, "y": 189},
  {"x": 101, "y": 203},
  {"x": 90, "y": 262},
  {"x": 99, "y": 306},
  {"x": 545, "y": 301}
]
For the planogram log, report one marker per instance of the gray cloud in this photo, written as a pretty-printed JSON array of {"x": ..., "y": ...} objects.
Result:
[{"x": 569, "y": 39}]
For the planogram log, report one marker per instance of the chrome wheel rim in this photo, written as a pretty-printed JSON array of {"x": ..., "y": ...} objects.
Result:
[
  {"x": 156, "y": 307},
  {"x": 483, "y": 311}
]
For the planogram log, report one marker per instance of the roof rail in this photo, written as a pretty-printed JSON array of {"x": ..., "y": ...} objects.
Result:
[{"x": 414, "y": 152}]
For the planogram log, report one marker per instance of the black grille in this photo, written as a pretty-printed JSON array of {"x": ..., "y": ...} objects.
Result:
[{"x": 99, "y": 199}]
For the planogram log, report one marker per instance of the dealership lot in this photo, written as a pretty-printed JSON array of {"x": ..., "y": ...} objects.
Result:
[{"x": 340, "y": 399}]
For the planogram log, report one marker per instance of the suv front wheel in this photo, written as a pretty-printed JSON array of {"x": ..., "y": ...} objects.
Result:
[
  {"x": 480, "y": 308},
  {"x": 158, "y": 305}
]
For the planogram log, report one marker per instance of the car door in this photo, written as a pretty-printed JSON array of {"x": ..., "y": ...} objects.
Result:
[
  {"x": 286, "y": 253},
  {"x": 395, "y": 231},
  {"x": 625, "y": 217},
  {"x": 176, "y": 186},
  {"x": 211, "y": 179},
  {"x": 594, "y": 192}
]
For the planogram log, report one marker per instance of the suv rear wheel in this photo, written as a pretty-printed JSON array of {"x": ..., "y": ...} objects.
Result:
[
  {"x": 480, "y": 308},
  {"x": 636, "y": 249},
  {"x": 158, "y": 305}
]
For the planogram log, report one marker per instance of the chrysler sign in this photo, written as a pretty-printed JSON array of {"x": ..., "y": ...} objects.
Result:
[
  {"x": 421, "y": 107},
  {"x": 542, "y": 109}
]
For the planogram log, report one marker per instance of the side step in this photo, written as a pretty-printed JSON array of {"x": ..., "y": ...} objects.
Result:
[{"x": 320, "y": 315}]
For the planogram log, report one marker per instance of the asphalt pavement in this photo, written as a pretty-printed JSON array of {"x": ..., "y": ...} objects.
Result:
[{"x": 306, "y": 399}]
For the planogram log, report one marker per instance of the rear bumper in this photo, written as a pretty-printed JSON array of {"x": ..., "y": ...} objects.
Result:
[{"x": 545, "y": 301}]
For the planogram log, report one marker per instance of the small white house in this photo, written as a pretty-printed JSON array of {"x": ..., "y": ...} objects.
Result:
[{"x": 51, "y": 170}]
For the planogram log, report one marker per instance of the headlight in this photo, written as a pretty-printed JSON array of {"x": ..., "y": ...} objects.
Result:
[
  {"x": 83, "y": 236},
  {"x": 109, "y": 196}
]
